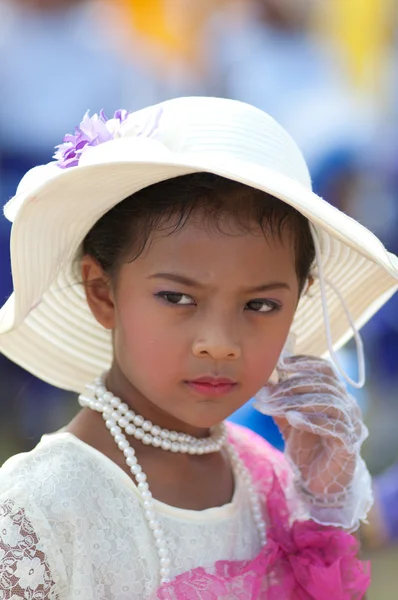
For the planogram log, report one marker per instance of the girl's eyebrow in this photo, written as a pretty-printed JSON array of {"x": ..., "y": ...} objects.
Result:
[{"x": 176, "y": 278}]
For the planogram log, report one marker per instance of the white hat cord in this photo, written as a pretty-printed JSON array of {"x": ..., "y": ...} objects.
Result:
[
  {"x": 121, "y": 420},
  {"x": 358, "y": 340}
]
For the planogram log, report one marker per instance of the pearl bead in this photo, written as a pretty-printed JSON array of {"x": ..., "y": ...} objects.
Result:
[
  {"x": 130, "y": 415},
  {"x": 123, "y": 422},
  {"x": 156, "y": 442},
  {"x": 123, "y": 444},
  {"x": 166, "y": 445},
  {"x": 181, "y": 438},
  {"x": 135, "y": 469},
  {"x": 183, "y": 448},
  {"x": 130, "y": 429},
  {"x": 128, "y": 452},
  {"x": 107, "y": 397},
  {"x": 141, "y": 477},
  {"x": 123, "y": 407},
  {"x": 158, "y": 533},
  {"x": 164, "y": 434},
  {"x": 173, "y": 436},
  {"x": 116, "y": 415},
  {"x": 164, "y": 572},
  {"x": 147, "y": 502},
  {"x": 139, "y": 434},
  {"x": 142, "y": 486},
  {"x": 131, "y": 460},
  {"x": 150, "y": 515},
  {"x": 163, "y": 552},
  {"x": 115, "y": 429},
  {"x": 147, "y": 495},
  {"x": 160, "y": 543},
  {"x": 147, "y": 439},
  {"x": 147, "y": 426},
  {"x": 138, "y": 420},
  {"x": 175, "y": 446},
  {"x": 109, "y": 423},
  {"x": 155, "y": 431},
  {"x": 119, "y": 437},
  {"x": 153, "y": 524},
  {"x": 115, "y": 402},
  {"x": 191, "y": 450},
  {"x": 164, "y": 562}
]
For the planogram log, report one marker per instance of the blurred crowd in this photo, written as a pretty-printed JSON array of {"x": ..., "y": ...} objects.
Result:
[{"x": 337, "y": 96}]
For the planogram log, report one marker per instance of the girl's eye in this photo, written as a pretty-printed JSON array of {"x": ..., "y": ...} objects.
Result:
[
  {"x": 263, "y": 306},
  {"x": 176, "y": 298}
]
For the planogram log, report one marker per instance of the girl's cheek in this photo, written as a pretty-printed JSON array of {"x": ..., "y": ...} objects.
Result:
[{"x": 261, "y": 364}]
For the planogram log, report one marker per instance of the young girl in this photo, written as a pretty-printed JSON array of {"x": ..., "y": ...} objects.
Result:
[{"x": 163, "y": 265}]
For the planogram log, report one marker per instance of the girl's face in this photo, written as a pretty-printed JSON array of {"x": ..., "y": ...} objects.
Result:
[{"x": 199, "y": 321}]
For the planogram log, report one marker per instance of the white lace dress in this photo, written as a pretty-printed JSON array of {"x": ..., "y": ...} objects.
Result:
[{"x": 72, "y": 526}]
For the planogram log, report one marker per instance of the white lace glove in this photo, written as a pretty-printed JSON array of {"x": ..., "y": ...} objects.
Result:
[{"x": 323, "y": 431}]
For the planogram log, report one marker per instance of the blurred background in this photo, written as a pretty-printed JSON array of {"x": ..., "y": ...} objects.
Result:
[{"x": 325, "y": 69}]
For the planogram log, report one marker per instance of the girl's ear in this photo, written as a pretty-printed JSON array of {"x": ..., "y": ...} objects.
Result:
[
  {"x": 307, "y": 285},
  {"x": 99, "y": 295}
]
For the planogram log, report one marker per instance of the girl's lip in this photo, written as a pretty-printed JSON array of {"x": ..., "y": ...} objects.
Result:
[
  {"x": 213, "y": 380},
  {"x": 212, "y": 386}
]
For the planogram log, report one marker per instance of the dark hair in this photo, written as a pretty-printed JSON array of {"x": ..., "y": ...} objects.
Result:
[{"x": 123, "y": 232}]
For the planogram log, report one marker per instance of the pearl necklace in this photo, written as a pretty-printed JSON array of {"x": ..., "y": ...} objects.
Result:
[
  {"x": 150, "y": 434},
  {"x": 118, "y": 417}
]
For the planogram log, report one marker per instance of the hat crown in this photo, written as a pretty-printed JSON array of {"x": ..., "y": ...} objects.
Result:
[
  {"x": 210, "y": 127},
  {"x": 231, "y": 128}
]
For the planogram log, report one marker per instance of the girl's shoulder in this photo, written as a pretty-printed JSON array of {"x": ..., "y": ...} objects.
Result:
[
  {"x": 54, "y": 454},
  {"x": 59, "y": 476}
]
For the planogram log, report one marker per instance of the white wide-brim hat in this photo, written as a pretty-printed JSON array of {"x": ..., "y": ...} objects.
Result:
[{"x": 46, "y": 325}]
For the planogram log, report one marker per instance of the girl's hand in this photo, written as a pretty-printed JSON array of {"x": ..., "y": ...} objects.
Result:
[{"x": 323, "y": 431}]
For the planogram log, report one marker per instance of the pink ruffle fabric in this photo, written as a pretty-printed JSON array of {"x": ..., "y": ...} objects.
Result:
[{"x": 300, "y": 561}]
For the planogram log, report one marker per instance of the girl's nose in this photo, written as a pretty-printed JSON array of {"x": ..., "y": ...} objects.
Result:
[{"x": 217, "y": 346}]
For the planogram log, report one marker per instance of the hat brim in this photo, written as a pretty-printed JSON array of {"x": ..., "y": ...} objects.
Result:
[{"x": 46, "y": 325}]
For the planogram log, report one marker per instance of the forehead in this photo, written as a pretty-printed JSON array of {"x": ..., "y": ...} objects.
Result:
[{"x": 213, "y": 256}]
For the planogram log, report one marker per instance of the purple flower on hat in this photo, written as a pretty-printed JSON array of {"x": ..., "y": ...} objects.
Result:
[{"x": 96, "y": 130}]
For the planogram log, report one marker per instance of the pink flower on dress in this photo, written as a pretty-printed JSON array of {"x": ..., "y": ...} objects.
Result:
[{"x": 301, "y": 560}]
